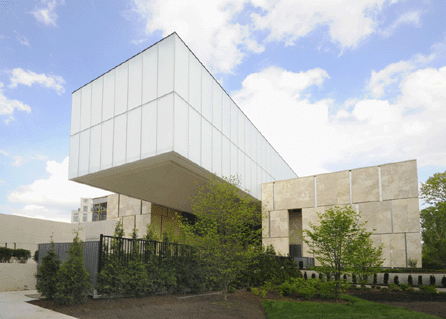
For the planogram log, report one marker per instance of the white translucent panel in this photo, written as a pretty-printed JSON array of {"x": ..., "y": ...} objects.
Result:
[
  {"x": 248, "y": 143},
  {"x": 226, "y": 157},
  {"x": 253, "y": 142},
  {"x": 234, "y": 123},
  {"x": 133, "y": 148},
  {"x": 75, "y": 112},
  {"x": 164, "y": 130},
  {"x": 107, "y": 144},
  {"x": 226, "y": 115},
  {"x": 84, "y": 152},
  {"x": 148, "y": 129},
  {"x": 96, "y": 101},
  {"x": 206, "y": 94},
  {"x": 195, "y": 136},
  {"x": 121, "y": 88},
  {"x": 150, "y": 74},
  {"x": 86, "y": 107},
  {"x": 95, "y": 149},
  {"x": 216, "y": 152},
  {"x": 181, "y": 127},
  {"x": 263, "y": 176},
  {"x": 181, "y": 69},
  {"x": 241, "y": 168},
  {"x": 195, "y": 82},
  {"x": 74, "y": 156},
  {"x": 234, "y": 160},
  {"x": 257, "y": 182},
  {"x": 268, "y": 159},
  {"x": 248, "y": 173},
  {"x": 241, "y": 130},
  {"x": 165, "y": 65},
  {"x": 135, "y": 81},
  {"x": 119, "y": 139},
  {"x": 258, "y": 147},
  {"x": 216, "y": 109},
  {"x": 206, "y": 145},
  {"x": 263, "y": 159},
  {"x": 108, "y": 108}
]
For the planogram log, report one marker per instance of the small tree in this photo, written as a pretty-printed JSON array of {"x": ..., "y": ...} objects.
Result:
[
  {"x": 47, "y": 273},
  {"x": 341, "y": 244},
  {"x": 227, "y": 231},
  {"x": 73, "y": 280}
]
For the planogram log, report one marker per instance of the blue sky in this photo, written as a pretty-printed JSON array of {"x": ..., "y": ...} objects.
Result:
[{"x": 332, "y": 85}]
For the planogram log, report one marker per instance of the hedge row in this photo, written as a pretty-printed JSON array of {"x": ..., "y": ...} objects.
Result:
[{"x": 21, "y": 255}]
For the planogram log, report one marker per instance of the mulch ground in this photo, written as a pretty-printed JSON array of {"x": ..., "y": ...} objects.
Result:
[{"x": 242, "y": 304}]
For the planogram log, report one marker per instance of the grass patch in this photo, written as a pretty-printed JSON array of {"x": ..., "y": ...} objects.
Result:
[{"x": 355, "y": 308}]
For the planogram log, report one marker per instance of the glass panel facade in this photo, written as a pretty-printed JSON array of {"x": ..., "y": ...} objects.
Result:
[
  {"x": 164, "y": 100},
  {"x": 150, "y": 74},
  {"x": 96, "y": 102}
]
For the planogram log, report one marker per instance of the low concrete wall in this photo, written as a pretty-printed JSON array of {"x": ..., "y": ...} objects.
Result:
[
  {"x": 402, "y": 277},
  {"x": 16, "y": 276}
]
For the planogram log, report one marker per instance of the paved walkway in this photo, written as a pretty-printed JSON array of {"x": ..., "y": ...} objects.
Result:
[{"x": 13, "y": 306}]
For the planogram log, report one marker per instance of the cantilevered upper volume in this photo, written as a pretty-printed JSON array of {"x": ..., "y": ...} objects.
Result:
[{"x": 157, "y": 123}]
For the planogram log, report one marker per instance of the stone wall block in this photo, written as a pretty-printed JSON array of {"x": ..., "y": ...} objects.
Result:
[
  {"x": 279, "y": 223},
  {"x": 141, "y": 224},
  {"x": 128, "y": 223},
  {"x": 146, "y": 207},
  {"x": 281, "y": 245},
  {"x": 333, "y": 189},
  {"x": 399, "y": 180},
  {"x": 365, "y": 184},
  {"x": 112, "y": 206},
  {"x": 267, "y": 197},
  {"x": 294, "y": 193},
  {"x": 406, "y": 215},
  {"x": 377, "y": 215}
]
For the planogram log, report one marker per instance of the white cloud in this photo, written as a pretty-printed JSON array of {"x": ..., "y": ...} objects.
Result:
[
  {"x": 393, "y": 73},
  {"x": 348, "y": 21},
  {"x": 4, "y": 153},
  {"x": 20, "y": 76},
  {"x": 22, "y": 39},
  {"x": 208, "y": 27},
  {"x": 18, "y": 161},
  {"x": 411, "y": 17},
  {"x": 55, "y": 191},
  {"x": 47, "y": 14},
  {"x": 2, "y": 181},
  {"x": 8, "y": 106},
  {"x": 41, "y": 212},
  {"x": 223, "y": 32},
  {"x": 363, "y": 132}
]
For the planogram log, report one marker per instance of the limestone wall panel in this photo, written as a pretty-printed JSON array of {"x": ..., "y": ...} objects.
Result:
[
  {"x": 112, "y": 206},
  {"x": 128, "y": 223},
  {"x": 378, "y": 216},
  {"x": 333, "y": 189},
  {"x": 281, "y": 245},
  {"x": 265, "y": 225},
  {"x": 385, "y": 240},
  {"x": 414, "y": 247},
  {"x": 365, "y": 185},
  {"x": 279, "y": 223},
  {"x": 129, "y": 206},
  {"x": 294, "y": 193},
  {"x": 267, "y": 196},
  {"x": 406, "y": 215},
  {"x": 399, "y": 180},
  {"x": 141, "y": 222},
  {"x": 146, "y": 208}
]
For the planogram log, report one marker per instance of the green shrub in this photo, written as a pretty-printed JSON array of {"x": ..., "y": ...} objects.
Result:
[
  {"x": 73, "y": 280},
  {"x": 427, "y": 290},
  {"x": 432, "y": 280},
  {"x": 285, "y": 289},
  {"x": 375, "y": 279},
  {"x": 5, "y": 254},
  {"x": 386, "y": 279},
  {"x": 420, "y": 280},
  {"x": 47, "y": 274},
  {"x": 396, "y": 280},
  {"x": 394, "y": 288},
  {"x": 313, "y": 276},
  {"x": 36, "y": 256},
  {"x": 405, "y": 287},
  {"x": 443, "y": 281},
  {"x": 410, "y": 280},
  {"x": 305, "y": 276},
  {"x": 22, "y": 255},
  {"x": 412, "y": 263}
]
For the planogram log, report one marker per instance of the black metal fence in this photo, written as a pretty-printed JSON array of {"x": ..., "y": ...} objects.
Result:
[{"x": 123, "y": 249}]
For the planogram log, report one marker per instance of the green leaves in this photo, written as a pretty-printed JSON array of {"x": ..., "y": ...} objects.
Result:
[
  {"x": 47, "y": 274},
  {"x": 434, "y": 189},
  {"x": 341, "y": 245}
]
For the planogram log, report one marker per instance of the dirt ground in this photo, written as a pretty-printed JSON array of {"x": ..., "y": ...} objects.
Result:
[{"x": 242, "y": 304}]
